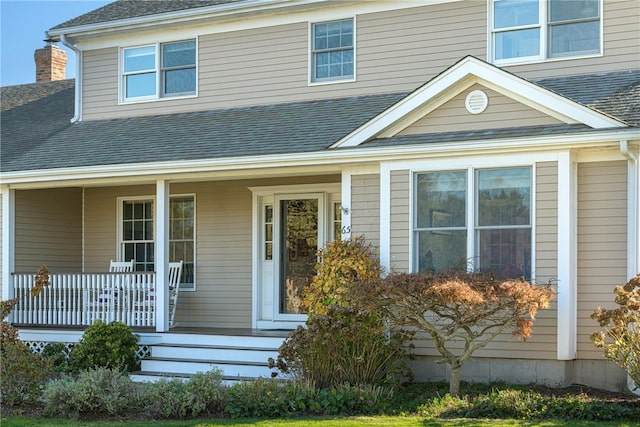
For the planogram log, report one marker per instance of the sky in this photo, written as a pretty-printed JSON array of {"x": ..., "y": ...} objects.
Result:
[{"x": 22, "y": 27}]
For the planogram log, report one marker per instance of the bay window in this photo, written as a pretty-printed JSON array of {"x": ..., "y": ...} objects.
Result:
[{"x": 473, "y": 219}]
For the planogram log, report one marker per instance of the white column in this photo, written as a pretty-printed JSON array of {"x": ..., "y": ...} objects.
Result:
[
  {"x": 8, "y": 240},
  {"x": 567, "y": 258},
  {"x": 162, "y": 255},
  {"x": 385, "y": 217},
  {"x": 346, "y": 205}
]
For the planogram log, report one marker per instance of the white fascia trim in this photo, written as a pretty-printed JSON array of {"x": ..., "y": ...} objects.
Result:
[
  {"x": 327, "y": 158},
  {"x": 179, "y": 15},
  {"x": 463, "y": 74},
  {"x": 237, "y": 10}
]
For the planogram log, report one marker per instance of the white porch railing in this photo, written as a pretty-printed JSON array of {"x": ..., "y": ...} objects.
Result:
[{"x": 78, "y": 299}]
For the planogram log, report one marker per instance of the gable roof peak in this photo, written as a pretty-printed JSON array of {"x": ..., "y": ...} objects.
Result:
[{"x": 460, "y": 76}]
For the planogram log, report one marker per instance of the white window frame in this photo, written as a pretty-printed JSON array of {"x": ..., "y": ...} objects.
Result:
[
  {"x": 313, "y": 81},
  {"x": 471, "y": 226},
  {"x": 158, "y": 70},
  {"x": 544, "y": 26},
  {"x": 120, "y": 242}
]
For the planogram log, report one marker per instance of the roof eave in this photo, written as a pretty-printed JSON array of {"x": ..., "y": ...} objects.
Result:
[
  {"x": 591, "y": 139},
  {"x": 207, "y": 12}
]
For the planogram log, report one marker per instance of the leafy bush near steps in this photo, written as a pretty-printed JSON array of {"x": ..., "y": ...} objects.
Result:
[
  {"x": 268, "y": 398},
  {"x": 111, "y": 345},
  {"x": 58, "y": 354},
  {"x": 202, "y": 394},
  {"x": 100, "y": 391},
  {"x": 344, "y": 346},
  {"x": 103, "y": 392},
  {"x": 22, "y": 373}
]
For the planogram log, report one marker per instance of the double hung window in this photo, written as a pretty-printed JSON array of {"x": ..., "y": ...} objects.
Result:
[
  {"x": 478, "y": 219},
  {"x": 523, "y": 30},
  {"x": 158, "y": 71},
  {"x": 137, "y": 240},
  {"x": 332, "y": 51}
]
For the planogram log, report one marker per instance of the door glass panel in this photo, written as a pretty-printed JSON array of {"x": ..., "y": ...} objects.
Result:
[{"x": 299, "y": 244}]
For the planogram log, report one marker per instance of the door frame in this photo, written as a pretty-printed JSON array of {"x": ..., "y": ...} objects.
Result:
[{"x": 329, "y": 193}]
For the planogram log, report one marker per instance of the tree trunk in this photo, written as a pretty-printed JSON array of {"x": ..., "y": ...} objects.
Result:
[{"x": 454, "y": 381}]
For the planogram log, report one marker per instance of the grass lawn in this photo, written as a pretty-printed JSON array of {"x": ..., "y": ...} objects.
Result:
[{"x": 400, "y": 421}]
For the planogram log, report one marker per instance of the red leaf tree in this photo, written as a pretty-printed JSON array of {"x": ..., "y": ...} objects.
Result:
[{"x": 456, "y": 307}]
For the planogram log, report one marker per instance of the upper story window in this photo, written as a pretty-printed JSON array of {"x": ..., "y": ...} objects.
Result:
[
  {"x": 158, "y": 71},
  {"x": 332, "y": 51},
  {"x": 527, "y": 30}
]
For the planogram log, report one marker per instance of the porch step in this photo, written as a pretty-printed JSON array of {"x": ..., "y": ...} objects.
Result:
[
  {"x": 193, "y": 366},
  {"x": 183, "y": 355}
]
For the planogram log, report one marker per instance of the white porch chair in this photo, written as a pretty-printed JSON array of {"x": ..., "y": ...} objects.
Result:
[
  {"x": 105, "y": 302},
  {"x": 148, "y": 305},
  {"x": 121, "y": 266}
]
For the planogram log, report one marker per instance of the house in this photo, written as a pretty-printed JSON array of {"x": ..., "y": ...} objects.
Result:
[{"x": 240, "y": 135}]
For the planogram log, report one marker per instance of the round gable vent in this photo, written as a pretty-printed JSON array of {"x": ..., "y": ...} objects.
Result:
[{"x": 476, "y": 102}]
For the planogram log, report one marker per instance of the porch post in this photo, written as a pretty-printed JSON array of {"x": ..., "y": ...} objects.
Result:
[
  {"x": 567, "y": 310},
  {"x": 8, "y": 241},
  {"x": 162, "y": 255}
]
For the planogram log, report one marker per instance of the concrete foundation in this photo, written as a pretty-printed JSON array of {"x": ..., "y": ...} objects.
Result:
[{"x": 601, "y": 374}]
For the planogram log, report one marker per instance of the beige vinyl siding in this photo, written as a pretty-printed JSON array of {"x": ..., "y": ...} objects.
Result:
[
  {"x": 365, "y": 207},
  {"x": 400, "y": 219},
  {"x": 501, "y": 112},
  {"x": 101, "y": 223},
  {"x": 542, "y": 345},
  {"x": 396, "y": 51},
  {"x": 48, "y": 230},
  {"x": 546, "y": 231},
  {"x": 602, "y": 243},
  {"x": 223, "y": 295}
]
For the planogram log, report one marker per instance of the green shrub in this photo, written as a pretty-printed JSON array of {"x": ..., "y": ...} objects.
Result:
[
  {"x": 272, "y": 399},
  {"x": 58, "y": 354},
  {"x": 111, "y": 345},
  {"x": 23, "y": 374},
  {"x": 100, "y": 391},
  {"x": 202, "y": 394},
  {"x": 342, "y": 263},
  {"x": 344, "y": 346},
  {"x": 520, "y": 403}
]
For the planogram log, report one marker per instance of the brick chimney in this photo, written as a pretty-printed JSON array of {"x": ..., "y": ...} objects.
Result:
[{"x": 51, "y": 63}]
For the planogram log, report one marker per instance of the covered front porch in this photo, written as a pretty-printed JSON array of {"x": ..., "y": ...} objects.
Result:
[{"x": 246, "y": 256}]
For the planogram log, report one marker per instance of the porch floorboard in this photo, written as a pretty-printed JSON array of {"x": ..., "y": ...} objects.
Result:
[{"x": 242, "y": 332}]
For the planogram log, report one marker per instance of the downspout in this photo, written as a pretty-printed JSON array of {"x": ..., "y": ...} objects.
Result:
[{"x": 77, "y": 117}]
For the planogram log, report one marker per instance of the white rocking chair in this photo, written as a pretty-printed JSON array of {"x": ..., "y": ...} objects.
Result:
[
  {"x": 148, "y": 305},
  {"x": 105, "y": 303}
]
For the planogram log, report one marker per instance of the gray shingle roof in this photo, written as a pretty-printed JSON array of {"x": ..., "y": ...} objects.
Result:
[
  {"x": 38, "y": 135},
  {"x": 30, "y": 114},
  {"x": 125, "y": 9},
  {"x": 276, "y": 129},
  {"x": 616, "y": 94}
]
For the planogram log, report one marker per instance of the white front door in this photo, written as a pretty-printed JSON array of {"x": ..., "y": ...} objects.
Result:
[{"x": 292, "y": 227}]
